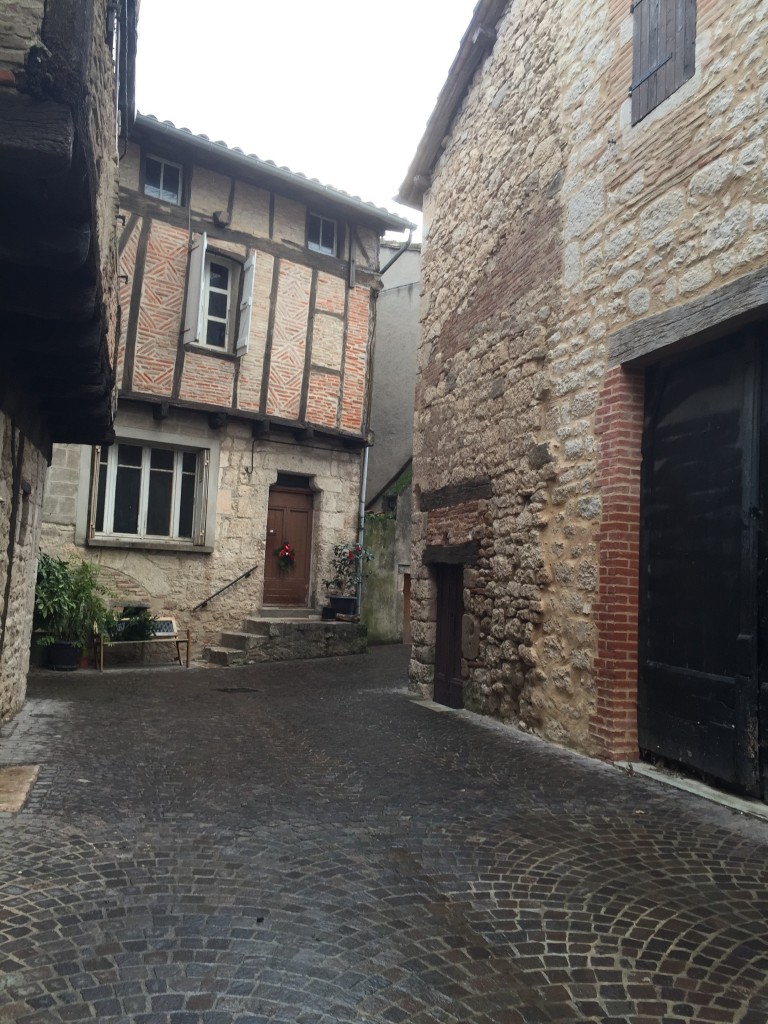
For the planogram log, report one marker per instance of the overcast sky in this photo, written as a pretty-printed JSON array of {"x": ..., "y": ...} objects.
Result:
[{"x": 337, "y": 89}]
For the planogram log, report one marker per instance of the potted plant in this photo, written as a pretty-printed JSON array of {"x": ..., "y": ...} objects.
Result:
[
  {"x": 346, "y": 574},
  {"x": 69, "y": 606}
]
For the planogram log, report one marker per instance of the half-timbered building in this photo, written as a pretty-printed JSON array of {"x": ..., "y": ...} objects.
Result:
[
  {"x": 590, "y": 452},
  {"x": 243, "y": 372},
  {"x": 66, "y": 102}
]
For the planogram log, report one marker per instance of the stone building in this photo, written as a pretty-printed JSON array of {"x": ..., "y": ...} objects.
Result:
[
  {"x": 386, "y": 593},
  {"x": 589, "y": 460},
  {"x": 243, "y": 378},
  {"x": 66, "y": 97}
]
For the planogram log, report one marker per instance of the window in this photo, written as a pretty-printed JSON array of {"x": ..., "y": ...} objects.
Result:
[
  {"x": 149, "y": 492},
  {"x": 321, "y": 234},
  {"x": 162, "y": 180},
  {"x": 664, "y": 51},
  {"x": 214, "y": 318},
  {"x": 218, "y": 306}
]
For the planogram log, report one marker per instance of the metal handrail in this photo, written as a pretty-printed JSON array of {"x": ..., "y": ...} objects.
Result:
[{"x": 242, "y": 576}]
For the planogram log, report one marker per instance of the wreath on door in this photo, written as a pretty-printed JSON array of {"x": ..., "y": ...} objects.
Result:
[{"x": 286, "y": 556}]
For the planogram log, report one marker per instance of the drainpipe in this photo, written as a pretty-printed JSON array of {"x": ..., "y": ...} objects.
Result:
[{"x": 361, "y": 522}]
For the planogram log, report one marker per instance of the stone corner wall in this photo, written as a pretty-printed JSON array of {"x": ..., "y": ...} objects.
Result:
[{"x": 21, "y": 464}]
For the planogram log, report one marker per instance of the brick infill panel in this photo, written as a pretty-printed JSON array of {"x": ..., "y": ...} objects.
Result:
[{"x": 619, "y": 426}]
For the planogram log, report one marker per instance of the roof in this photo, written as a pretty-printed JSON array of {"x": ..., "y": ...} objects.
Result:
[
  {"x": 267, "y": 173},
  {"x": 475, "y": 46}
]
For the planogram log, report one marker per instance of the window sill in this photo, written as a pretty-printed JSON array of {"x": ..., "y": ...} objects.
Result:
[
  {"x": 207, "y": 350},
  {"x": 150, "y": 544}
]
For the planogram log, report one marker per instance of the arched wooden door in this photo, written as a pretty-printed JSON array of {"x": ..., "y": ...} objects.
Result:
[{"x": 289, "y": 519}]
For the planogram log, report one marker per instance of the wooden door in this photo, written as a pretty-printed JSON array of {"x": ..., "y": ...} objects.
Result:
[
  {"x": 449, "y": 686},
  {"x": 697, "y": 696},
  {"x": 289, "y": 519}
]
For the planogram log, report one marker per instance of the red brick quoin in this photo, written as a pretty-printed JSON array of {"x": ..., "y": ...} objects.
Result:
[{"x": 619, "y": 427}]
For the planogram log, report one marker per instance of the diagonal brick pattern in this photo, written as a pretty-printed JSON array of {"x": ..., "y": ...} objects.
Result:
[
  {"x": 127, "y": 268},
  {"x": 303, "y": 843},
  {"x": 159, "y": 323},
  {"x": 289, "y": 341}
]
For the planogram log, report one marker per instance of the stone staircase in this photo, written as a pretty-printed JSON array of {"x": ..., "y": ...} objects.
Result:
[{"x": 287, "y": 634}]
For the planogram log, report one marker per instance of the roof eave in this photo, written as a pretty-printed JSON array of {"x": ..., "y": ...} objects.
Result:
[
  {"x": 268, "y": 173},
  {"x": 475, "y": 46}
]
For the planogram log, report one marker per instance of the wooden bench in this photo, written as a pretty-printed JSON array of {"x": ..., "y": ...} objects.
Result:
[{"x": 164, "y": 631}]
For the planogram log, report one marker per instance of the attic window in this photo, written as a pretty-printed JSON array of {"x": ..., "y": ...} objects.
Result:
[
  {"x": 162, "y": 180},
  {"x": 321, "y": 234}
]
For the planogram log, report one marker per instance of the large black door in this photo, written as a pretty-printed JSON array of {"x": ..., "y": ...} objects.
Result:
[
  {"x": 449, "y": 686},
  {"x": 698, "y": 686}
]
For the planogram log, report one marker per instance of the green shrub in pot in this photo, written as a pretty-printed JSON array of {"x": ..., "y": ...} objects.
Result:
[{"x": 69, "y": 605}]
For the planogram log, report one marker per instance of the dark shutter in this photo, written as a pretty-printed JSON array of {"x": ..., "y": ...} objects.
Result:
[{"x": 664, "y": 51}]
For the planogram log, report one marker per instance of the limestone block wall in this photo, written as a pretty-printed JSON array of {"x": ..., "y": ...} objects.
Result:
[
  {"x": 553, "y": 222},
  {"x": 22, "y": 478},
  {"x": 20, "y": 24},
  {"x": 175, "y": 581}
]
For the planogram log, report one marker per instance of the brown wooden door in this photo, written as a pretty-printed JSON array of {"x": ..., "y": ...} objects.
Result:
[
  {"x": 289, "y": 519},
  {"x": 449, "y": 686}
]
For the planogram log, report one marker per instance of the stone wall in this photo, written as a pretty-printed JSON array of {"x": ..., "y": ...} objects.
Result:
[
  {"x": 22, "y": 477},
  {"x": 552, "y": 223},
  {"x": 175, "y": 581}
]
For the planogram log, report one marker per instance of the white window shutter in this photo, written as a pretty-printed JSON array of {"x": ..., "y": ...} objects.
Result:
[
  {"x": 193, "y": 314},
  {"x": 244, "y": 321},
  {"x": 200, "y": 524}
]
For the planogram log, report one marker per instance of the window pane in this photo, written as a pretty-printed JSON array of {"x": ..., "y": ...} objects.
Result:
[
  {"x": 101, "y": 493},
  {"x": 313, "y": 232},
  {"x": 161, "y": 458},
  {"x": 216, "y": 334},
  {"x": 153, "y": 170},
  {"x": 127, "y": 488},
  {"x": 217, "y": 305},
  {"x": 187, "y": 503},
  {"x": 189, "y": 462},
  {"x": 159, "y": 503},
  {"x": 329, "y": 236},
  {"x": 171, "y": 183},
  {"x": 219, "y": 276},
  {"x": 128, "y": 455}
]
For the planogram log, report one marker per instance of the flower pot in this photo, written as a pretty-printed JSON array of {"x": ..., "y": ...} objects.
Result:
[
  {"x": 342, "y": 605},
  {"x": 64, "y": 657}
]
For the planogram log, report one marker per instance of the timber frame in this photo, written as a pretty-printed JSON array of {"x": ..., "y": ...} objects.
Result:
[{"x": 57, "y": 276}]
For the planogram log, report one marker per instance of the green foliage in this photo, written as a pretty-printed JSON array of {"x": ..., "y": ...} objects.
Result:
[
  {"x": 69, "y": 602},
  {"x": 347, "y": 568},
  {"x": 133, "y": 624}
]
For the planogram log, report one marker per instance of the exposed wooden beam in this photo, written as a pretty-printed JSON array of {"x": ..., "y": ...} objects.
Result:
[
  {"x": 36, "y": 136},
  {"x": 34, "y": 240}
]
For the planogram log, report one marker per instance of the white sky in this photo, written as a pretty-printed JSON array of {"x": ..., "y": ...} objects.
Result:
[{"x": 337, "y": 89}]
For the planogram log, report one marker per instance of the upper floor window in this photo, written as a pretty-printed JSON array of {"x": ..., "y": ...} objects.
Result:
[
  {"x": 218, "y": 302},
  {"x": 162, "y": 180},
  {"x": 219, "y": 299},
  {"x": 322, "y": 234},
  {"x": 664, "y": 51}
]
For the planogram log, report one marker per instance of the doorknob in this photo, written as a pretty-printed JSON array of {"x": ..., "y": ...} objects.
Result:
[{"x": 270, "y": 532}]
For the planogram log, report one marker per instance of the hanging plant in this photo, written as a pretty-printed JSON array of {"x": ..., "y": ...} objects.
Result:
[{"x": 286, "y": 556}]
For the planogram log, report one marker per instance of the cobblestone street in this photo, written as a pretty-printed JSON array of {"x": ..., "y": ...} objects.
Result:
[{"x": 302, "y": 842}]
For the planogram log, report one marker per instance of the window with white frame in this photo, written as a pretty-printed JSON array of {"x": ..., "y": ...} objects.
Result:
[
  {"x": 219, "y": 299},
  {"x": 162, "y": 180},
  {"x": 321, "y": 234},
  {"x": 143, "y": 491}
]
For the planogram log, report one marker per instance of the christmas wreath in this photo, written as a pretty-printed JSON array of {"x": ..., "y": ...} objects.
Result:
[{"x": 286, "y": 556}]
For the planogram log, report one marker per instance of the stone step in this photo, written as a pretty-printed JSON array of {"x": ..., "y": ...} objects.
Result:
[
  {"x": 228, "y": 656},
  {"x": 287, "y": 614},
  {"x": 243, "y": 641}
]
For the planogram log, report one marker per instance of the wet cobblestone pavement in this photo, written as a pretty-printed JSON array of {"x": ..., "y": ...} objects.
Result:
[{"x": 301, "y": 842}]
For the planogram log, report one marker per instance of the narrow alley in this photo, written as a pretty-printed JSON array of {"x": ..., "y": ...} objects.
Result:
[{"x": 303, "y": 842}]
